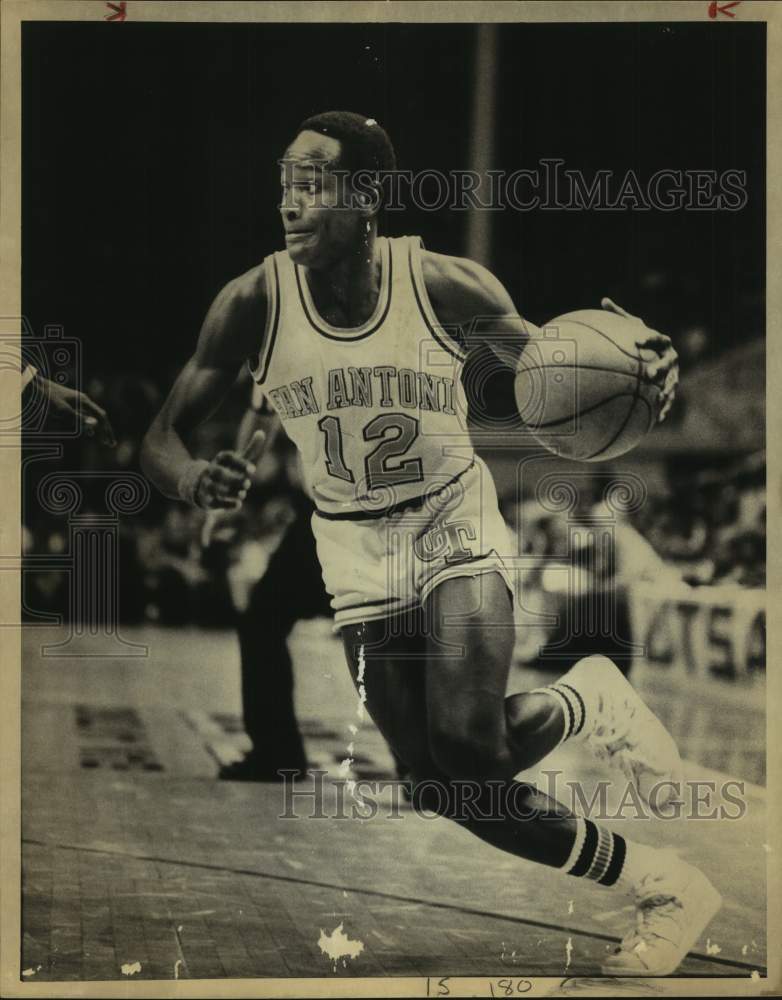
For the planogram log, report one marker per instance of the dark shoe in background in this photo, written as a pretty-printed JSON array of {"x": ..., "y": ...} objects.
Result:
[{"x": 251, "y": 768}]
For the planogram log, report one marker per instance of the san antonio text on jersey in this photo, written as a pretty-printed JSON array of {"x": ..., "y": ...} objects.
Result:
[{"x": 377, "y": 411}]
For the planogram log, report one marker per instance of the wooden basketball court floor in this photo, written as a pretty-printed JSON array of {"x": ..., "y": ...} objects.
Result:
[{"x": 138, "y": 864}]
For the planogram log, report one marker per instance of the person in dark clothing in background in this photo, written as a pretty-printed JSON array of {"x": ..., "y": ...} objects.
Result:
[{"x": 290, "y": 589}]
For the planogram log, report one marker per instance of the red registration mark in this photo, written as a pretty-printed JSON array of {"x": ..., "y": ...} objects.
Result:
[
  {"x": 722, "y": 8},
  {"x": 120, "y": 12}
]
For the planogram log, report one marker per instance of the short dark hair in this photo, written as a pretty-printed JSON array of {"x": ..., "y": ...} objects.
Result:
[{"x": 364, "y": 144}]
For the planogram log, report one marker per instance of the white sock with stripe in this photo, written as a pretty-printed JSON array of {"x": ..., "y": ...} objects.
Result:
[
  {"x": 597, "y": 854},
  {"x": 572, "y": 705},
  {"x": 609, "y": 859}
]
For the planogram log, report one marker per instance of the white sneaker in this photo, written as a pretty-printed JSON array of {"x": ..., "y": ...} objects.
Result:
[
  {"x": 622, "y": 731},
  {"x": 673, "y": 910}
]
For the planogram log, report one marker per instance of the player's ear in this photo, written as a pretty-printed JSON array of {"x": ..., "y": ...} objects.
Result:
[{"x": 368, "y": 195}]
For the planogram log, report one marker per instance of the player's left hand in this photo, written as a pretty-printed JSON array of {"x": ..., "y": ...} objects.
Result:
[{"x": 666, "y": 368}]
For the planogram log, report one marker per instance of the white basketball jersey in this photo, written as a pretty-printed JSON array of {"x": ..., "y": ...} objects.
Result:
[{"x": 377, "y": 411}]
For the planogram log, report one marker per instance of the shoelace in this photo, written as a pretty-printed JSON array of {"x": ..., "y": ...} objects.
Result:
[
  {"x": 653, "y": 910},
  {"x": 654, "y": 913},
  {"x": 609, "y": 731}
]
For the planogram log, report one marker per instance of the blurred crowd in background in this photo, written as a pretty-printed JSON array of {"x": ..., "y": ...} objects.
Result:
[
  {"x": 706, "y": 526},
  {"x": 713, "y": 528}
]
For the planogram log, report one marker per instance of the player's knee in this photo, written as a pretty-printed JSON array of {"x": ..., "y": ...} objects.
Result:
[
  {"x": 530, "y": 719},
  {"x": 425, "y": 784},
  {"x": 468, "y": 752}
]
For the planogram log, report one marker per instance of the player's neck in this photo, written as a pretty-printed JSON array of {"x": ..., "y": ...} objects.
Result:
[{"x": 350, "y": 287}]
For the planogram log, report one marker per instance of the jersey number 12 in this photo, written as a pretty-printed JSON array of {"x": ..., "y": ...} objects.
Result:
[{"x": 395, "y": 433}]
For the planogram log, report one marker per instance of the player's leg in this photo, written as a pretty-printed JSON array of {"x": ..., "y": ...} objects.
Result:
[
  {"x": 470, "y": 636},
  {"x": 387, "y": 662},
  {"x": 393, "y": 671},
  {"x": 480, "y": 730},
  {"x": 459, "y": 763},
  {"x": 458, "y": 565},
  {"x": 390, "y": 661},
  {"x": 473, "y": 729}
]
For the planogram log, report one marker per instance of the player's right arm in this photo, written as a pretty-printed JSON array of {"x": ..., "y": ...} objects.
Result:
[
  {"x": 231, "y": 333},
  {"x": 258, "y": 428}
]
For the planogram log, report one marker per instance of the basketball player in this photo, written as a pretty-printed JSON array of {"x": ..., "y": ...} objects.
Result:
[{"x": 359, "y": 341}]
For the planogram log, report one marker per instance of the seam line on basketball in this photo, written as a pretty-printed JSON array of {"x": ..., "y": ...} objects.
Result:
[
  {"x": 580, "y": 322},
  {"x": 592, "y": 368},
  {"x": 626, "y": 420},
  {"x": 587, "y": 409}
]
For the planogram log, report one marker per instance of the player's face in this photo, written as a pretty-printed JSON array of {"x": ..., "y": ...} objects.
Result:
[{"x": 321, "y": 224}]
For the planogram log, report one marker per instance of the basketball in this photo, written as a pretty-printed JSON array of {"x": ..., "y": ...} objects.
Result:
[{"x": 581, "y": 388}]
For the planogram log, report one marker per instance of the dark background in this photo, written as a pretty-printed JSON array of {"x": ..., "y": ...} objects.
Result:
[{"x": 150, "y": 175}]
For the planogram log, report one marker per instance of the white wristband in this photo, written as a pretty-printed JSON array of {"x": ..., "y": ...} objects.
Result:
[{"x": 187, "y": 487}]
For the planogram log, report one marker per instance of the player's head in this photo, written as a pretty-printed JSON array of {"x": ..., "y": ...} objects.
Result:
[{"x": 330, "y": 188}]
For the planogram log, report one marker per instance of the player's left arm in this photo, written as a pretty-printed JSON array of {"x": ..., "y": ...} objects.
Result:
[
  {"x": 474, "y": 307},
  {"x": 467, "y": 296}
]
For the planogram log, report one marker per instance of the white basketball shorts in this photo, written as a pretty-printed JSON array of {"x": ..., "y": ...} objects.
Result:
[{"x": 378, "y": 567}]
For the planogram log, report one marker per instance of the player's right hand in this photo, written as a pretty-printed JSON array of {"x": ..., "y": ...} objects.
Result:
[{"x": 225, "y": 481}]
